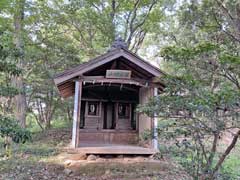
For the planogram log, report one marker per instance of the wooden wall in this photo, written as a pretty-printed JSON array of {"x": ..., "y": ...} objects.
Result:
[
  {"x": 124, "y": 123},
  {"x": 108, "y": 137},
  {"x": 94, "y": 122},
  {"x": 145, "y": 122},
  {"x": 93, "y": 130}
]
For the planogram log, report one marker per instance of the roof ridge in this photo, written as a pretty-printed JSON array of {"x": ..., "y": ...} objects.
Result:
[
  {"x": 72, "y": 72},
  {"x": 86, "y": 62}
]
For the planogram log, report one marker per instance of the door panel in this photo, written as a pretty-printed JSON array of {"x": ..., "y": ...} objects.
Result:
[{"x": 109, "y": 116}]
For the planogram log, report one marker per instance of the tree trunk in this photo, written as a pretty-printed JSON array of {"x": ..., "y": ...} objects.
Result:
[
  {"x": 48, "y": 124},
  {"x": 20, "y": 105},
  {"x": 212, "y": 153},
  {"x": 225, "y": 154},
  {"x": 69, "y": 113}
]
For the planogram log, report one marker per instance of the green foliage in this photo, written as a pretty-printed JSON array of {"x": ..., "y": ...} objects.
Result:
[
  {"x": 8, "y": 91},
  {"x": 202, "y": 98},
  {"x": 7, "y": 67},
  {"x": 230, "y": 60},
  {"x": 10, "y": 128},
  {"x": 175, "y": 53},
  {"x": 146, "y": 135},
  {"x": 193, "y": 112}
]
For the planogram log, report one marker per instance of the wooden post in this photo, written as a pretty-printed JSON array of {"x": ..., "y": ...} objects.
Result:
[
  {"x": 155, "y": 126},
  {"x": 76, "y": 114},
  {"x": 116, "y": 115}
]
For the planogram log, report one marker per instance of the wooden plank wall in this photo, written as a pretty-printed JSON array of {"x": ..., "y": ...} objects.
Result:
[
  {"x": 108, "y": 137},
  {"x": 145, "y": 122},
  {"x": 94, "y": 122}
]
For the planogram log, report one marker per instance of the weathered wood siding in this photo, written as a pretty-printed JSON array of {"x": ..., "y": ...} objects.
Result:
[
  {"x": 93, "y": 122},
  {"x": 108, "y": 137},
  {"x": 124, "y": 123},
  {"x": 144, "y": 122},
  {"x": 96, "y": 122},
  {"x": 93, "y": 131}
]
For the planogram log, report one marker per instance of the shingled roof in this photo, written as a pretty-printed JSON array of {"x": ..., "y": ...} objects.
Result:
[
  {"x": 105, "y": 58},
  {"x": 118, "y": 52}
]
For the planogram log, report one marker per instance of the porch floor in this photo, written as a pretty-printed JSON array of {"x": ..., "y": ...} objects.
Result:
[{"x": 121, "y": 149}]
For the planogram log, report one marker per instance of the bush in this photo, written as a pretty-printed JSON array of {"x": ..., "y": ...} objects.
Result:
[{"x": 10, "y": 129}]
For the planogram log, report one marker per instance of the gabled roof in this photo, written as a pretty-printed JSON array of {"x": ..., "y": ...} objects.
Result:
[{"x": 103, "y": 59}]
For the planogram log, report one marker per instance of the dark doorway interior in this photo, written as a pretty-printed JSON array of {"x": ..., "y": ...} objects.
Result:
[
  {"x": 109, "y": 116},
  {"x": 82, "y": 115}
]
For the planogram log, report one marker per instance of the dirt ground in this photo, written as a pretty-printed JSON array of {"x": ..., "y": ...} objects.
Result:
[
  {"x": 46, "y": 158},
  {"x": 123, "y": 167}
]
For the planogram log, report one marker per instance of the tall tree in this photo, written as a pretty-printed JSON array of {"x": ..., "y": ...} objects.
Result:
[
  {"x": 9, "y": 127},
  {"x": 20, "y": 107}
]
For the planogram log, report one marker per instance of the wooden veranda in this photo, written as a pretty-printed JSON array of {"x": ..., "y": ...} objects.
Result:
[{"x": 113, "y": 149}]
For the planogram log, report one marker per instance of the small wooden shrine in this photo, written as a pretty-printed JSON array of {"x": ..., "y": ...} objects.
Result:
[{"x": 107, "y": 90}]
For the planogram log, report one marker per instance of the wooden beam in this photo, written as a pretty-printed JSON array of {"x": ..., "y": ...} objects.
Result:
[
  {"x": 76, "y": 114},
  {"x": 106, "y": 100},
  {"x": 142, "y": 63},
  {"x": 134, "y": 72},
  {"x": 101, "y": 70},
  {"x": 67, "y": 89},
  {"x": 132, "y": 81},
  {"x": 136, "y": 68},
  {"x": 114, "y": 65},
  {"x": 117, "y": 81},
  {"x": 89, "y": 86},
  {"x": 155, "y": 126},
  {"x": 113, "y": 149},
  {"x": 87, "y": 67},
  {"x": 108, "y": 57}
]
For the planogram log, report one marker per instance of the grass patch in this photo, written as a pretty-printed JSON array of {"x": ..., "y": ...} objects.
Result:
[
  {"x": 59, "y": 124},
  {"x": 35, "y": 160},
  {"x": 33, "y": 126},
  {"x": 230, "y": 169},
  {"x": 44, "y": 144},
  {"x": 231, "y": 165}
]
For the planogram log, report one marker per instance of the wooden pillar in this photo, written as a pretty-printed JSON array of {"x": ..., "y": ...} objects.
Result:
[
  {"x": 116, "y": 115},
  {"x": 144, "y": 122},
  {"x": 155, "y": 126},
  {"x": 76, "y": 114}
]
